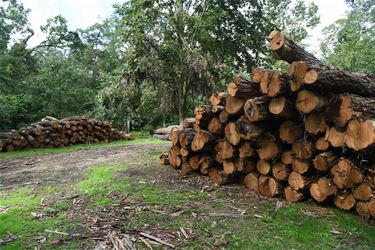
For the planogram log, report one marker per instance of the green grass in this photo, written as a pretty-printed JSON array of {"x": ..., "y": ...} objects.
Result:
[
  {"x": 140, "y": 138},
  {"x": 294, "y": 226}
]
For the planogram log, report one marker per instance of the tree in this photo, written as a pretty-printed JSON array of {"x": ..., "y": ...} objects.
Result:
[
  {"x": 186, "y": 47},
  {"x": 349, "y": 42}
]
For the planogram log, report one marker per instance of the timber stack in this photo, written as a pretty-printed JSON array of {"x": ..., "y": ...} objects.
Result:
[
  {"x": 302, "y": 134},
  {"x": 51, "y": 132},
  {"x": 165, "y": 133}
]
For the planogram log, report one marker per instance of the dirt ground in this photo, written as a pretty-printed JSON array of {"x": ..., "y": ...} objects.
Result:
[{"x": 65, "y": 167}]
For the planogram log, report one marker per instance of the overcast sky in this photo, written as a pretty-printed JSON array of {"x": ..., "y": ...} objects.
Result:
[{"x": 83, "y": 13}]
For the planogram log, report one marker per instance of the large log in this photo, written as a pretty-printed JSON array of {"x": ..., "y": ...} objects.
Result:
[
  {"x": 256, "y": 109},
  {"x": 360, "y": 133},
  {"x": 274, "y": 83},
  {"x": 308, "y": 101},
  {"x": 345, "y": 107},
  {"x": 247, "y": 130},
  {"x": 283, "y": 107},
  {"x": 340, "y": 81},
  {"x": 234, "y": 105},
  {"x": 289, "y": 51},
  {"x": 243, "y": 88}
]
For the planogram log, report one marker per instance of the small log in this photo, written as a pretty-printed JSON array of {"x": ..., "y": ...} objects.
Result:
[
  {"x": 274, "y": 83},
  {"x": 194, "y": 162},
  {"x": 228, "y": 166},
  {"x": 268, "y": 186},
  {"x": 176, "y": 149},
  {"x": 308, "y": 101},
  {"x": 202, "y": 141},
  {"x": 283, "y": 107},
  {"x": 363, "y": 192},
  {"x": 185, "y": 152},
  {"x": 256, "y": 109},
  {"x": 243, "y": 88},
  {"x": 224, "y": 117},
  {"x": 315, "y": 123},
  {"x": 303, "y": 149},
  {"x": 224, "y": 149},
  {"x": 188, "y": 122},
  {"x": 231, "y": 133},
  {"x": 245, "y": 165},
  {"x": 321, "y": 144},
  {"x": 345, "y": 201},
  {"x": 216, "y": 127},
  {"x": 218, "y": 176},
  {"x": 297, "y": 71},
  {"x": 324, "y": 161},
  {"x": 301, "y": 166},
  {"x": 166, "y": 130},
  {"x": 247, "y": 130},
  {"x": 287, "y": 157},
  {"x": 345, "y": 174},
  {"x": 175, "y": 160},
  {"x": 264, "y": 167},
  {"x": 246, "y": 150},
  {"x": 360, "y": 133},
  {"x": 257, "y": 74},
  {"x": 186, "y": 169},
  {"x": 322, "y": 189},
  {"x": 251, "y": 181},
  {"x": 186, "y": 137},
  {"x": 217, "y": 109},
  {"x": 164, "y": 160},
  {"x": 290, "y": 131},
  {"x": 205, "y": 163},
  {"x": 298, "y": 181},
  {"x": 292, "y": 195},
  {"x": 175, "y": 136},
  {"x": 362, "y": 208},
  {"x": 335, "y": 136},
  {"x": 218, "y": 99},
  {"x": 234, "y": 105},
  {"x": 280, "y": 171},
  {"x": 268, "y": 147},
  {"x": 163, "y": 137}
]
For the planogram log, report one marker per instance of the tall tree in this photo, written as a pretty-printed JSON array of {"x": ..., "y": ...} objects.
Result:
[
  {"x": 186, "y": 46},
  {"x": 349, "y": 42}
]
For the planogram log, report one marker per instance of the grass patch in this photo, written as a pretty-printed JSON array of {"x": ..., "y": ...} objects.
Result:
[
  {"x": 139, "y": 139},
  {"x": 151, "y": 205},
  {"x": 20, "y": 221}
]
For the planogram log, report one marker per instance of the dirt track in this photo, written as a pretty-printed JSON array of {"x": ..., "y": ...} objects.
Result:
[{"x": 65, "y": 167}]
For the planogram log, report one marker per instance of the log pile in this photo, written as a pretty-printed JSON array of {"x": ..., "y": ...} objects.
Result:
[
  {"x": 51, "y": 132},
  {"x": 165, "y": 133},
  {"x": 305, "y": 133}
]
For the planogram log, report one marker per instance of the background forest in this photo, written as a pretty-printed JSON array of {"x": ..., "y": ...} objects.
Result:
[{"x": 151, "y": 62}]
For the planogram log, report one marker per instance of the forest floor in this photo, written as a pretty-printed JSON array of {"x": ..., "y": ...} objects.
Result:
[{"x": 100, "y": 196}]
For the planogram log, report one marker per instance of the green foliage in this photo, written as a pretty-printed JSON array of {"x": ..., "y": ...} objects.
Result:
[
  {"x": 147, "y": 65},
  {"x": 349, "y": 42}
]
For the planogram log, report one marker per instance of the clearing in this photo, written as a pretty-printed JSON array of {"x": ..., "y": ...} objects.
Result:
[{"x": 98, "y": 196}]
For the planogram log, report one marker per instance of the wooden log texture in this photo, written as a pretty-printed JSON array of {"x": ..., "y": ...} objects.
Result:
[{"x": 340, "y": 81}]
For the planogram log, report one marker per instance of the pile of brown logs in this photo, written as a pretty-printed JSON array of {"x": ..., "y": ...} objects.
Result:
[
  {"x": 164, "y": 133},
  {"x": 306, "y": 133},
  {"x": 51, "y": 132}
]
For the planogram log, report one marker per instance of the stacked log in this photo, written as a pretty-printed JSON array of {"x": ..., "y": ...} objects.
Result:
[
  {"x": 307, "y": 133},
  {"x": 165, "y": 133},
  {"x": 51, "y": 132}
]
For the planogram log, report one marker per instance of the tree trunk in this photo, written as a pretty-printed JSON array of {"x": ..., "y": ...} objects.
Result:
[{"x": 340, "y": 81}]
